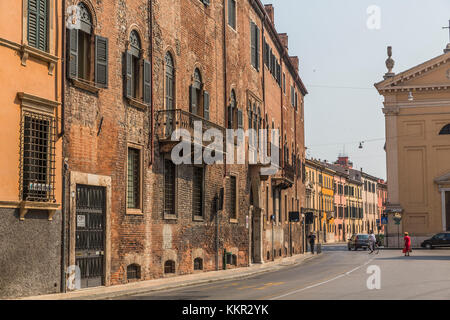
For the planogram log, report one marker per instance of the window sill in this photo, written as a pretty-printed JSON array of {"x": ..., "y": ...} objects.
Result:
[
  {"x": 137, "y": 103},
  {"x": 198, "y": 219},
  {"x": 134, "y": 212},
  {"x": 170, "y": 216},
  {"x": 25, "y": 206},
  {"x": 26, "y": 52},
  {"x": 85, "y": 85},
  {"x": 234, "y": 221}
]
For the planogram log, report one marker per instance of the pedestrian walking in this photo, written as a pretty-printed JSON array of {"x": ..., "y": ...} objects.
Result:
[
  {"x": 407, "y": 248},
  {"x": 372, "y": 240},
  {"x": 312, "y": 240}
]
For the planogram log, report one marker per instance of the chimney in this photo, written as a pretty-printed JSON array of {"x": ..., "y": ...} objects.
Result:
[
  {"x": 269, "y": 11},
  {"x": 295, "y": 62},
  {"x": 284, "y": 40}
]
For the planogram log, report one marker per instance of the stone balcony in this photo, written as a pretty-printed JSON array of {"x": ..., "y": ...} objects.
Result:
[{"x": 168, "y": 121}]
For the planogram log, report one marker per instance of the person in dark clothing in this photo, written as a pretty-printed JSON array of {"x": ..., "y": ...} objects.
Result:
[{"x": 312, "y": 240}]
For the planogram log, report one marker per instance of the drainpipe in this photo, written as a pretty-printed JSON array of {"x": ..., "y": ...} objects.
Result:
[
  {"x": 61, "y": 135},
  {"x": 225, "y": 95},
  {"x": 150, "y": 19}
]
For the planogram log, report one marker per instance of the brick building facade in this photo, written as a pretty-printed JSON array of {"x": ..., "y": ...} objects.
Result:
[{"x": 136, "y": 72}]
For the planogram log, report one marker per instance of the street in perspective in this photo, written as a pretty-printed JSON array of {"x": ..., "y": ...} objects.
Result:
[
  {"x": 337, "y": 274},
  {"x": 224, "y": 151}
]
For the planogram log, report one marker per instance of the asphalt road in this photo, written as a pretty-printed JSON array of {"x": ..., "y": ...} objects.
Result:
[{"x": 337, "y": 274}]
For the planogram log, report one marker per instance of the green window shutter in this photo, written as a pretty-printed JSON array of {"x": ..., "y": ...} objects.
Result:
[
  {"x": 230, "y": 117},
  {"x": 37, "y": 24},
  {"x": 33, "y": 22},
  {"x": 206, "y": 105},
  {"x": 147, "y": 82},
  {"x": 43, "y": 13},
  {"x": 101, "y": 61},
  {"x": 193, "y": 99},
  {"x": 240, "y": 119},
  {"x": 128, "y": 58},
  {"x": 252, "y": 44},
  {"x": 257, "y": 47},
  {"x": 72, "y": 52}
]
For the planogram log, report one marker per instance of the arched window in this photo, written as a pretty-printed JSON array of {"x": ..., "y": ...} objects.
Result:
[
  {"x": 87, "y": 53},
  {"x": 235, "y": 115},
  {"x": 232, "y": 113},
  {"x": 199, "y": 98},
  {"x": 169, "y": 267},
  {"x": 445, "y": 130},
  {"x": 250, "y": 115},
  {"x": 198, "y": 264},
  {"x": 84, "y": 43},
  {"x": 138, "y": 72},
  {"x": 255, "y": 117},
  {"x": 170, "y": 82},
  {"x": 135, "y": 51}
]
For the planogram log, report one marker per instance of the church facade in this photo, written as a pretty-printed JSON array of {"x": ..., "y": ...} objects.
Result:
[{"x": 417, "y": 113}]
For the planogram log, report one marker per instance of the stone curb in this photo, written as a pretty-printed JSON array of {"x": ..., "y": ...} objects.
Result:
[{"x": 187, "y": 283}]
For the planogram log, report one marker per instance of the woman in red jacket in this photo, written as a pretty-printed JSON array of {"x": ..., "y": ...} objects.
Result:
[{"x": 407, "y": 248}]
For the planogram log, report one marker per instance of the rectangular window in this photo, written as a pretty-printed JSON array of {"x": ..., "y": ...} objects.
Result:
[
  {"x": 38, "y": 157},
  {"x": 197, "y": 192},
  {"x": 232, "y": 13},
  {"x": 284, "y": 83},
  {"x": 169, "y": 187},
  {"x": 38, "y": 24},
  {"x": 292, "y": 96},
  {"x": 254, "y": 34},
  {"x": 84, "y": 47},
  {"x": 134, "y": 179},
  {"x": 233, "y": 197},
  {"x": 280, "y": 215}
]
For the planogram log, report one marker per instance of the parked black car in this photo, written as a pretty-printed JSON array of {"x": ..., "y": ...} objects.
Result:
[
  {"x": 358, "y": 241},
  {"x": 439, "y": 240}
]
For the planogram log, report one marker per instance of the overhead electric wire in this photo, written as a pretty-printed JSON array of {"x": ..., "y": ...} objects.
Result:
[{"x": 368, "y": 140}]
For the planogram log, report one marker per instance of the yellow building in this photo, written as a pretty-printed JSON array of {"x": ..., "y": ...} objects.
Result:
[
  {"x": 30, "y": 164},
  {"x": 354, "y": 213},
  {"x": 417, "y": 114},
  {"x": 313, "y": 195},
  {"x": 320, "y": 199},
  {"x": 326, "y": 179}
]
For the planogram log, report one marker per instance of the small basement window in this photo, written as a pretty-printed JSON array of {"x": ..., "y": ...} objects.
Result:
[
  {"x": 133, "y": 272},
  {"x": 169, "y": 267},
  {"x": 198, "y": 264}
]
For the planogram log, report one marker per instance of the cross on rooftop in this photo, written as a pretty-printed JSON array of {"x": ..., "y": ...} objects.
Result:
[{"x": 448, "y": 29}]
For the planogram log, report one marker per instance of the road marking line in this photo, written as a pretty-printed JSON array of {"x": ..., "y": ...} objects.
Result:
[
  {"x": 270, "y": 284},
  {"x": 323, "y": 282}
]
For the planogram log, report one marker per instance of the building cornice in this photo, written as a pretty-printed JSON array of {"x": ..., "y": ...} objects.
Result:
[{"x": 417, "y": 71}]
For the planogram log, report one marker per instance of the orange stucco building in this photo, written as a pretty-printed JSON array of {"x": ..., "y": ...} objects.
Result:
[{"x": 30, "y": 165}]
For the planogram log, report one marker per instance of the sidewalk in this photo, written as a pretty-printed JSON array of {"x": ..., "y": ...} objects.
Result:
[{"x": 100, "y": 293}]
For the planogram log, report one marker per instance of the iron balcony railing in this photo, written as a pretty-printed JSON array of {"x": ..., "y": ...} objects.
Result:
[
  {"x": 289, "y": 172},
  {"x": 167, "y": 121}
]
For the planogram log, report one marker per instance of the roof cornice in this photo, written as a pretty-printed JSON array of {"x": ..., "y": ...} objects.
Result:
[
  {"x": 261, "y": 11},
  {"x": 392, "y": 84}
]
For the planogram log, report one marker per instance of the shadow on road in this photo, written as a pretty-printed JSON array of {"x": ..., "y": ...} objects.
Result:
[{"x": 421, "y": 258}]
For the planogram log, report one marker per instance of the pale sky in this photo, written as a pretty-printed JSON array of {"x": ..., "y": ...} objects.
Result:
[{"x": 341, "y": 59}]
